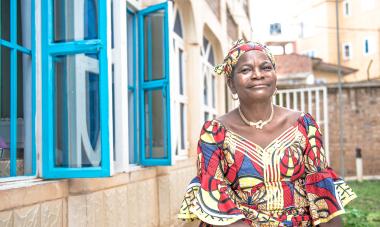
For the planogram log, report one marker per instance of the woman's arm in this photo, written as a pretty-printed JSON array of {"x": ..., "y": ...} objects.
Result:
[{"x": 335, "y": 222}]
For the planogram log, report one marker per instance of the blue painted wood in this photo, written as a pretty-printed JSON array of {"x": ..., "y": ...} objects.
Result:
[
  {"x": 162, "y": 84},
  {"x": 49, "y": 50},
  {"x": 13, "y": 78},
  {"x": 12, "y": 45},
  {"x": 133, "y": 88},
  {"x": 75, "y": 47}
]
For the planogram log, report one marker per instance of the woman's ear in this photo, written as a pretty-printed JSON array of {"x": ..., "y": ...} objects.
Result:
[{"x": 231, "y": 85}]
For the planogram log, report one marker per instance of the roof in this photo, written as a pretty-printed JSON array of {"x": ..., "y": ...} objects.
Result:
[{"x": 319, "y": 64}]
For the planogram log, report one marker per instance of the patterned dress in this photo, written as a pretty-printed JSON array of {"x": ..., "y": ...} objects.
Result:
[{"x": 287, "y": 183}]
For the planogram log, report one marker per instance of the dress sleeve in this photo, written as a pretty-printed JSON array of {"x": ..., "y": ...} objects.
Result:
[
  {"x": 209, "y": 196},
  {"x": 327, "y": 193}
]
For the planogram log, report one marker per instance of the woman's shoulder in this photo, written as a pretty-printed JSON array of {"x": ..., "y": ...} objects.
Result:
[
  {"x": 289, "y": 116},
  {"x": 229, "y": 120}
]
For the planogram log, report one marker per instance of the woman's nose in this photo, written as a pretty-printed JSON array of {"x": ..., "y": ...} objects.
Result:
[{"x": 256, "y": 73}]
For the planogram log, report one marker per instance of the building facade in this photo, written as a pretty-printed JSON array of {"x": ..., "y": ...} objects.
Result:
[
  {"x": 359, "y": 39},
  {"x": 102, "y": 102}
]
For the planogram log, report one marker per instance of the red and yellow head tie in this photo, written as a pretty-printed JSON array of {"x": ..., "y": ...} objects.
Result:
[{"x": 237, "y": 50}]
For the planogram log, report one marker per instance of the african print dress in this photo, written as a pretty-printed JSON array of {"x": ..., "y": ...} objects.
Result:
[{"x": 287, "y": 183}]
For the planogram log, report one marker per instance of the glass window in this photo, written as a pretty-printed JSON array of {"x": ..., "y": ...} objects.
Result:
[
  {"x": 132, "y": 57},
  {"x": 75, "y": 90},
  {"x": 77, "y": 111},
  {"x": 178, "y": 25},
  {"x": 154, "y": 86},
  {"x": 180, "y": 100},
  {"x": 154, "y": 112},
  {"x": 209, "y": 80},
  {"x": 154, "y": 52},
  {"x": 75, "y": 20},
  {"x": 347, "y": 51},
  {"x": 182, "y": 120},
  {"x": 180, "y": 68},
  {"x": 346, "y": 8},
  {"x": 17, "y": 155}
]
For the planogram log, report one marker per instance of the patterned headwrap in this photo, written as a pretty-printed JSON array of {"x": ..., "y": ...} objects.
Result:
[{"x": 237, "y": 50}]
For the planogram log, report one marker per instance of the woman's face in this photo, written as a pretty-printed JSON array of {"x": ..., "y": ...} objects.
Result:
[{"x": 254, "y": 78}]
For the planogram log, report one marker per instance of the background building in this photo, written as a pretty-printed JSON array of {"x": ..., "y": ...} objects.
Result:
[{"x": 107, "y": 99}]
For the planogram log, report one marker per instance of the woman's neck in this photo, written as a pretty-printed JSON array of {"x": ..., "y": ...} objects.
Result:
[{"x": 256, "y": 111}]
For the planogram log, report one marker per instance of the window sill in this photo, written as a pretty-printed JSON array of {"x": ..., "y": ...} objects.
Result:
[
  {"x": 28, "y": 191},
  {"x": 23, "y": 193}
]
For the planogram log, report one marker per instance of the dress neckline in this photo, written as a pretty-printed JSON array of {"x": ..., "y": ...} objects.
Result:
[{"x": 270, "y": 144}]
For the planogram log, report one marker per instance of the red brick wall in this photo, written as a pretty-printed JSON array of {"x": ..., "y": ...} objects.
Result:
[{"x": 361, "y": 115}]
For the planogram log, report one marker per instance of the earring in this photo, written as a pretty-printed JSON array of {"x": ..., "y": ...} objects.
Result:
[
  {"x": 235, "y": 96},
  {"x": 275, "y": 92}
]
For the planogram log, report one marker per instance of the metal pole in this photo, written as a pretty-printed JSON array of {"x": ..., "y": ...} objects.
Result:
[{"x": 340, "y": 100}]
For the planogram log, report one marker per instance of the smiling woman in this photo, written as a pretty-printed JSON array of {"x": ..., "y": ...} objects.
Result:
[{"x": 273, "y": 174}]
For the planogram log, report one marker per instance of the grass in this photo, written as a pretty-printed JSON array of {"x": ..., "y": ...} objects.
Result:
[{"x": 364, "y": 210}]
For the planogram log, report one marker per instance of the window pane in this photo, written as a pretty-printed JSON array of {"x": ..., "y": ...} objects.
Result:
[
  {"x": 5, "y": 128},
  {"x": 205, "y": 90},
  {"x": 213, "y": 90},
  {"x": 180, "y": 71},
  {"x": 24, "y": 24},
  {"x": 206, "y": 116},
  {"x": 5, "y": 19},
  {"x": 75, "y": 20},
  {"x": 155, "y": 122},
  {"x": 178, "y": 25},
  {"x": 182, "y": 113},
  {"x": 366, "y": 46},
  {"x": 77, "y": 111},
  {"x": 211, "y": 56},
  {"x": 131, "y": 44},
  {"x": 24, "y": 114},
  {"x": 132, "y": 128},
  {"x": 154, "y": 50}
]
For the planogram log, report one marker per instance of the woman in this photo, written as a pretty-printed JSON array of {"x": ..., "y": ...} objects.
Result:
[{"x": 260, "y": 164}]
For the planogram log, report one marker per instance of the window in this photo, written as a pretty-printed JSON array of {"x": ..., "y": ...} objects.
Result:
[
  {"x": 148, "y": 85},
  {"x": 347, "y": 51},
  {"x": 180, "y": 99},
  {"x": 346, "y": 8},
  {"x": 132, "y": 43},
  {"x": 310, "y": 53},
  {"x": 275, "y": 29},
  {"x": 17, "y": 85},
  {"x": 368, "y": 46},
  {"x": 75, "y": 89},
  {"x": 209, "y": 80}
]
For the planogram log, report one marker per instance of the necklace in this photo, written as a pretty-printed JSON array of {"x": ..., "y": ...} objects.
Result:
[{"x": 259, "y": 124}]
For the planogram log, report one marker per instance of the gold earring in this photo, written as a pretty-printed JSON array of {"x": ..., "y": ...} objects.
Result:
[
  {"x": 275, "y": 92},
  {"x": 235, "y": 97}
]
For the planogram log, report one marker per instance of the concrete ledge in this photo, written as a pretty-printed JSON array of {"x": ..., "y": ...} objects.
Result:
[
  {"x": 86, "y": 185},
  {"x": 20, "y": 194}
]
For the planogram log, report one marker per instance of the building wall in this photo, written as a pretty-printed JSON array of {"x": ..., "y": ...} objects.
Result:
[
  {"x": 146, "y": 197},
  {"x": 142, "y": 196},
  {"x": 361, "y": 127},
  {"x": 353, "y": 29}
]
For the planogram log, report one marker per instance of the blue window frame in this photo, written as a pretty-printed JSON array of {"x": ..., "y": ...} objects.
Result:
[
  {"x": 152, "y": 88},
  {"x": 75, "y": 89},
  {"x": 17, "y": 89}
]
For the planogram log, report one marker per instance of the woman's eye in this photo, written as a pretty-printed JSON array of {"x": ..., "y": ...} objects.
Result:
[
  {"x": 246, "y": 70},
  {"x": 267, "y": 68}
]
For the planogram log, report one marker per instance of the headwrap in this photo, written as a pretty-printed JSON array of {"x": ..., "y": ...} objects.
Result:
[{"x": 237, "y": 50}]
